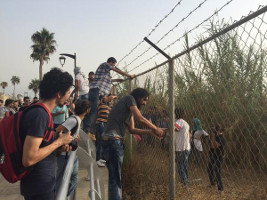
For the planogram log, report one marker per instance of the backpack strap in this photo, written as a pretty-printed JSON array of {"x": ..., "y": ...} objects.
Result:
[{"x": 49, "y": 133}]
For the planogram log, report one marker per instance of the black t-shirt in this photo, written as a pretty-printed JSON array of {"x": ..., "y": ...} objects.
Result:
[
  {"x": 221, "y": 140},
  {"x": 42, "y": 177}
]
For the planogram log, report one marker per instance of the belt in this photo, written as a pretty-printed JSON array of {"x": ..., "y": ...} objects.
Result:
[{"x": 111, "y": 138}]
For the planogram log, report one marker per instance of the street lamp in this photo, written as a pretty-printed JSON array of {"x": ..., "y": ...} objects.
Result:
[{"x": 62, "y": 60}]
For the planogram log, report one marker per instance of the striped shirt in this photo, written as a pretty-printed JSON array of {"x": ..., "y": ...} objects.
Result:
[
  {"x": 103, "y": 112},
  {"x": 102, "y": 79}
]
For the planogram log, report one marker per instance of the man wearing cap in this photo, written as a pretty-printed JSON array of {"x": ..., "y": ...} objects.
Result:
[{"x": 101, "y": 86}]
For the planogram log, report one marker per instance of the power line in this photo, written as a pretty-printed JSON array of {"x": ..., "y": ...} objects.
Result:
[
  {"x": 189, "y": 14},
  {"x": 215, "y": 13},
  {"x": 153, "y": 30}
]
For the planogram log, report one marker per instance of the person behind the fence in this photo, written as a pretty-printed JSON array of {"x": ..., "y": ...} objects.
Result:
[
  {"x": 216, "y": 154},
  {"x": 152, "y": 116},
  {"x": 102, "y": 118},
  {"x": 182, "y": 145},
  {"x": 196, "y": 145},
  {"x": 121, "y": 117},
  {"x": 82, "y": 107}
]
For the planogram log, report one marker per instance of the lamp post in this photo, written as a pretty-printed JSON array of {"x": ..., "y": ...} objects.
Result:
[
  {"x": 62, "y": 61},
  {"x": 62, "y": 58}
]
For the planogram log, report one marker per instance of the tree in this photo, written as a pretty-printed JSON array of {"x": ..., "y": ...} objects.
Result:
[
  {"x": 4, "y": 85},
  {"x": 15, "y": 80},
  {"x": 34, "y": 85},
  {"x": 44, "y": 45}
]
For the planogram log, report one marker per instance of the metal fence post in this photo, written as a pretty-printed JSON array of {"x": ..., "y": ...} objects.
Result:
[
  {"x": 172, "y": 141},
  {"x": 171, "y": 116},
  {"x": 130, "y": 135}
]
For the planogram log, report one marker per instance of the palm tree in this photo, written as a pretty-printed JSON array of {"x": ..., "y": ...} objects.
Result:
[
  {"x": 34, "y": 85},
  {"x": 15, "y": 80},
  {"x": 4, "y": 85},
  {"x": 44, "y": 45}
]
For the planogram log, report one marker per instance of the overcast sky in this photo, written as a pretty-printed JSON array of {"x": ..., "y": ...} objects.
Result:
[{"x": 96, "y": 30}]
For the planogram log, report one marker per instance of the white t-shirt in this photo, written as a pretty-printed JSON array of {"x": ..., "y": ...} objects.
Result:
[
  {"x": 197, "y": 137},
  {"x": 182, "y": 139},
  {"x": 84, "y": 83},
  {"x": 69, "y": 124}
]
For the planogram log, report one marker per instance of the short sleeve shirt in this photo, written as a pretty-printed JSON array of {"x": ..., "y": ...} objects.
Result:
[
  {"x": 43, "y": 174},
  {"x": 102, "y": 79},
  {"x": 84, "y": 83},
  {"x": 59, "y": 119},
  {"x": 197, "y": 141},
  {"x": 182, "y": 137},
  {"x": 119, "y": 117}
]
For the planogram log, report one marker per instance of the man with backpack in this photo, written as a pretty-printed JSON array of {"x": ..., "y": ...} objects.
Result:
[{"x": 38, "y": 150}]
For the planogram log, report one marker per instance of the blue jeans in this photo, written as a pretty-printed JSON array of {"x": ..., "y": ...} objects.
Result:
[
  {"x": 61, "y": 164},
  {"x": 113, "y": 153},
  {"x": 88, "y": 120},
  {"x": 181, "y": 158},
  {"x": 83, "y": 97},
  {"x": 99, "y": 130}
]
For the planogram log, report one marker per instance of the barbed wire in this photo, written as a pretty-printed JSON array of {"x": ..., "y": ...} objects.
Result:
[
  {"x": 153, "y": 30},
  {"x": 215, "y": 13},
  {"x": 182, "y": 20}
]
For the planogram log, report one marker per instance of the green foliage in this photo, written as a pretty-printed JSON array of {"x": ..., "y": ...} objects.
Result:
[
  {"x": 4, "y": 85},
  {"x": 44, "y": 44},
  {"x": 15, "y": 80},
  {"x": 34, "y": 85}
]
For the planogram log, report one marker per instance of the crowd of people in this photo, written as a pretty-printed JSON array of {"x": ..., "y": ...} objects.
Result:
[{"x": 93, "y": 105}]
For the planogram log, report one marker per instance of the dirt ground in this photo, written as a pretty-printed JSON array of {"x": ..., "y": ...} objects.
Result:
[{"x": 147, "y": 178}]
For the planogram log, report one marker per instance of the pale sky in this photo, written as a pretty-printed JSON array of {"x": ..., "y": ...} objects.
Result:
[{"x": 96, "y": 30}]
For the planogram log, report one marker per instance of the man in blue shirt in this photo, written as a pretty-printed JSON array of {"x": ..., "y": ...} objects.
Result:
[
  {"x": 100, "y": 86},
  {"x": 39, "y": 154}
]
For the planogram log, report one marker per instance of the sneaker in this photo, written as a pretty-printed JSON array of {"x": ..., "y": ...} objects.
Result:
[
  {"x": 100, "y": 164},
  {"x": 92, "y": 136},
  {"x": 103, "y": 161}
]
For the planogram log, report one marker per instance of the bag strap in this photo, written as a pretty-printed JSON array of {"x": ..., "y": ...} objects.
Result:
[{"x": 50, "y": 128}]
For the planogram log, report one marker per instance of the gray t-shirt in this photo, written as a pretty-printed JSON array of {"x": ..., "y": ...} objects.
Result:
[{"x": 119, "y": 117}]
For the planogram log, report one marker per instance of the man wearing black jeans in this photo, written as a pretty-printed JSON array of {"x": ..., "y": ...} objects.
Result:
[{"x": 216, "y": 155}]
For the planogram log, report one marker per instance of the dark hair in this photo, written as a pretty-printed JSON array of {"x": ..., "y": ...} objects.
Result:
[
  {"x": 179, "y": 113},
  {"x": 1, "y": 101},
  {"x": 53, "y": 82},
  {"x": 112, "y": 59},
  {"x": 218, "y": 128},
  {"x": 81, "y": 106},
  {"x": 139, "y": 93},
  {"x": 91, "y": 73},
  {"x": 8, "y": 102},
  {"x": 35, "y": 97},
  {"x": 25, "y": 98}
]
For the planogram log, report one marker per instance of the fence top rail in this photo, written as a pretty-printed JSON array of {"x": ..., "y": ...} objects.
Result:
[{"x": 227, "y": 29}]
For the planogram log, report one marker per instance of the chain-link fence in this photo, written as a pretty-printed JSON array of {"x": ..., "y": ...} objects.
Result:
[{"x": 221, "y": 80}]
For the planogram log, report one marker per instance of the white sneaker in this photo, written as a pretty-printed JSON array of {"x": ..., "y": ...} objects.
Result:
[
  {"x": 100, "y": 164},
  {"x": 103, "y": 161}
]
